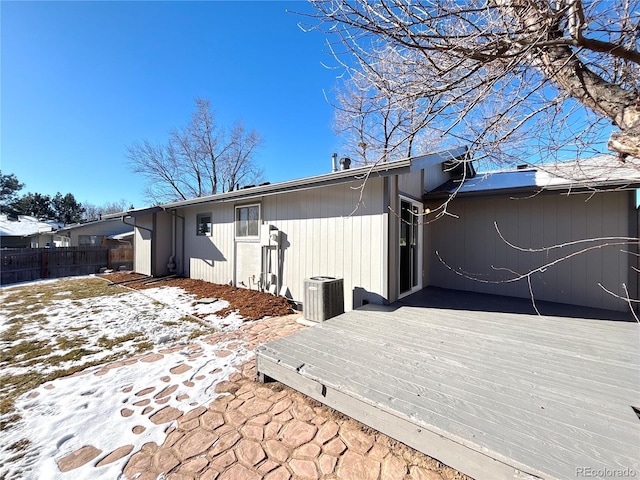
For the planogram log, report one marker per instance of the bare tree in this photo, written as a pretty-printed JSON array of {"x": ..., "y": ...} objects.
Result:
[
  {"x": 377, "y": 124},
  {"x": 200, "y": 159},
  {"x": 238, "y": 165},
  {"x": 95, "y": 212},
  {"x": 506, "y": 75}
]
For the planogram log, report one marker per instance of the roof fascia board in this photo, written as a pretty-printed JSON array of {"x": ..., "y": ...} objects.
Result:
[
  {"x": 536, "y": 190},
  {"x": 132, "y": 213},
  {"x": 105, "y": 219},
  {"x": 343, "y": 176},
  {"x": 421, "y": 162}
]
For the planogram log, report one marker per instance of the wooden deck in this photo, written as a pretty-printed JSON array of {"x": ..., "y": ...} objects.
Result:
[{"x": 478, "y": 383}]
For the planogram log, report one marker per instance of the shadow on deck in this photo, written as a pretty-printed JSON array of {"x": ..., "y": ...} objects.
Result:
[
  {"x": 479, "y": 382},
  {"x": 435, "y": 297}
]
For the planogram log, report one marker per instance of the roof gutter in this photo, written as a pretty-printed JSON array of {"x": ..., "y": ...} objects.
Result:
[
  {"x": 134, "y": 225},
  {"x": 535, "y": 190}
]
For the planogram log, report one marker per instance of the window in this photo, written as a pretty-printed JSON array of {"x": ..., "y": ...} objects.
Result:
[
  {"x": 88, "y": 240},
  {"x": 203, "y": 222},
  {"x": 248, "y": 221}
]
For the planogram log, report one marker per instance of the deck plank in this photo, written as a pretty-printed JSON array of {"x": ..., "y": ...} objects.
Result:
[
  {"x": 461, "y": 417},
  {"x": 475, "y": 389},
  {"x": 545, "y": 394}
]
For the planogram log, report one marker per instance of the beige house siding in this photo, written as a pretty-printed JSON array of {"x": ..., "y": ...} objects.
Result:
[
  {"x": 471, "y": 244},
  {"x": 321, "y": 235},
  {"x": 41, "y": 240},
  {"x": 210, "y": 258},
  {"x": 99, "y": 229},
  {"x": 162, "y": 248},
  {"x": 142, "y": 244},
  {"x": 324, "y": 235},
  {"x": 410, "y": 185}
]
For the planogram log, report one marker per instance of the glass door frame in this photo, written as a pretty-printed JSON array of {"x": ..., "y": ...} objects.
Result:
[{"x": 416, "y": 252}]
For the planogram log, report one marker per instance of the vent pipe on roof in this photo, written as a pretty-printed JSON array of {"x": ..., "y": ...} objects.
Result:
[
  {"x": 345, "y": 163},
  {"x": 334, "y": 162}
]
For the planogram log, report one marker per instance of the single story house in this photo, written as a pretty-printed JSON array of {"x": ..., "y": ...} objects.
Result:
[
  {"x": 24, "y": 231},
  {"x": 106, "y": 231},
  {"x": 391, "y": 229}
]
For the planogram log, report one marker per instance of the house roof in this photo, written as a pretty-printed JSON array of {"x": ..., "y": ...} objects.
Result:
[
  {"x": 333, "y": 178},
  {"x": 604, "y": 172},
  {"x": 104, "y": 220},
  {"x": 122, "y": 236},
  {"x": 25, "y": 226},
  {"x": 342, "y": 176}
]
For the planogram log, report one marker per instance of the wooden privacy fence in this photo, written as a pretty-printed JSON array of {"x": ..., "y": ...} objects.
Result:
[{"x": 27, "y": 264}]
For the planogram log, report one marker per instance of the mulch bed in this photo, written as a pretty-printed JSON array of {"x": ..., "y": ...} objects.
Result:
[{"x": 250, "y": 304}]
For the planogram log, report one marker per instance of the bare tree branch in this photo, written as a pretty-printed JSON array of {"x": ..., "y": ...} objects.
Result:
[
  {"x": 529, "y": 76},
  {"x": 199, "y": 159}
]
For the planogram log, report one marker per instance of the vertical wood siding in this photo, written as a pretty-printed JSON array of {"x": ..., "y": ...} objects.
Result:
[
  {"x": 410, "y": 185},
  {"x": 321, "y": 236},
  {"x": 210, "y": 258},
  {"x": 142, "y": 245},
  {"x": 471, "y": 244},
  {"x": 162, "y": 238},
  {"x": 100, "y": 229}
]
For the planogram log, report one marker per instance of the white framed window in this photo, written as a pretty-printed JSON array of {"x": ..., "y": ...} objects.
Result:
[
  {"x": 203, "y": 224},
  {"x": 248, "y": 221}
]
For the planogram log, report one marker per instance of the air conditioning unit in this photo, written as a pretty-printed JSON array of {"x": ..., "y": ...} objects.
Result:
[{"x": 323, "y": 298}]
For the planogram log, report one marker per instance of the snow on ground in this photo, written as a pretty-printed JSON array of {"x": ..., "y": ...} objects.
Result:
[
  {"x": 98, "y": 320},
  {"x": 71, "y": 412},
  {"x": 86, "y": 410},
  {"x": 183, "y": 302}
]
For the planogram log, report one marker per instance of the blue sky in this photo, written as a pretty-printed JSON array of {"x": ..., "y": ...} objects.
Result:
[{"x": 83, "y": 80}]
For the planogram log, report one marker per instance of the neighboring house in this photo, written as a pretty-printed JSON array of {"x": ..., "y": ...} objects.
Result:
[
  {"x": 376, "y": 228},
  {"x": 107, "y": 231},
  {"x": 23, "y": 231}
]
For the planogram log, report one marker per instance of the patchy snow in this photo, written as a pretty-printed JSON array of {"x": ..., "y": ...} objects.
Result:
[
  {"x": 68, "y": 413},
  {"x": 97, "y": 319},
  {"x": 86, "y": 410},
  {"x": 184, "y": 302}
]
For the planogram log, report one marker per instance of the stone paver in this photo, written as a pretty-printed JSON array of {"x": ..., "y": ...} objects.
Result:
[
  {"x": 78, "y": 458},
  {"x": 304, "y": 469},
  {"x": 393, "y": 468},
  {"x": 166, "y": 415},
  {"x": 327, "y": 432},
  {"x": 328, "y": 464},
  {"x": 253, "y": 431},
  {"x": 355, "y": 439},
  {"x": 116, "y": 455},
  {"x": 297, "y": 432},
  {"x": 250, "y": 452},
  {"x": 354, "y": 466},
  {"x": 195, "y": 442}
]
